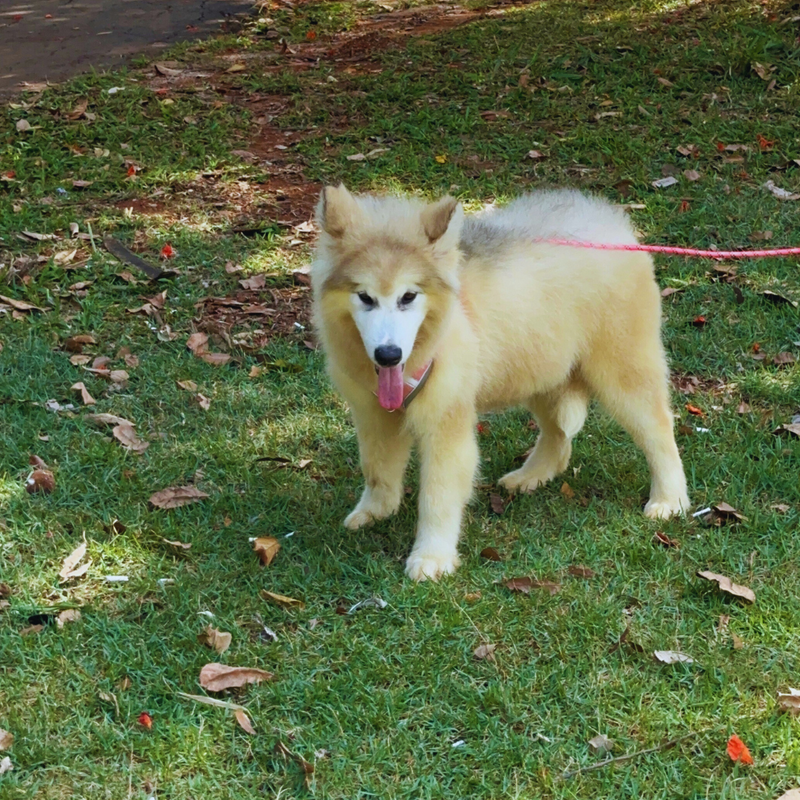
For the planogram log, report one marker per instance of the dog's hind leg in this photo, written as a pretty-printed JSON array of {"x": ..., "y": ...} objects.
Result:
[
  {"x": 384, "y": 448},
  {"x": 637, "y": 396},
  {"x": 560, "y": 415}
]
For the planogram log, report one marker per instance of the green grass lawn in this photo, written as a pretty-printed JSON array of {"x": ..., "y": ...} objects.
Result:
[{"x": 392, "y": 703}]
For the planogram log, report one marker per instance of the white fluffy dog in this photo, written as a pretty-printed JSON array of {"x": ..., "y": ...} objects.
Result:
[{"x": 429, "y": 318}]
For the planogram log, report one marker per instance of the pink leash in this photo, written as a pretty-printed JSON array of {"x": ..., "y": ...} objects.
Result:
[{"x": 679, "y": 251}]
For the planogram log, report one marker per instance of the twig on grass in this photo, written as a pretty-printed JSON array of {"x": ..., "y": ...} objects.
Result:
[{"x": 635, "y": 754}]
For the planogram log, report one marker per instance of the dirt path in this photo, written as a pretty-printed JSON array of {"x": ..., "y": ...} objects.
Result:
[{"x": 56, "y": 39}]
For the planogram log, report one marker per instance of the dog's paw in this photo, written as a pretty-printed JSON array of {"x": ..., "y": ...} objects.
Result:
[
  {"x": 431, "y": 565},
  {"x": 358, "y": 518},
  {"x": 525, "y": 481},
  {"x": 664, "y": 509}
]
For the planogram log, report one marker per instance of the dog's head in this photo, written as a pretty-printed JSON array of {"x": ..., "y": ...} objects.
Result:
[{"x": 388, "y": 267}]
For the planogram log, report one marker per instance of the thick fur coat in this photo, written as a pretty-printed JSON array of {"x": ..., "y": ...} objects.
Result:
[{"x": 506, "y": 320}]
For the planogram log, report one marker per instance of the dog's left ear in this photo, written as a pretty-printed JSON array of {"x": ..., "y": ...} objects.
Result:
[
  {"x": 442, "y": 221},
  {"x": 337, "y": 210}
]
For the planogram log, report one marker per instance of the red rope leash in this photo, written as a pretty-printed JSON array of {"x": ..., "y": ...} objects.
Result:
[{"x": 679, "y": 251}]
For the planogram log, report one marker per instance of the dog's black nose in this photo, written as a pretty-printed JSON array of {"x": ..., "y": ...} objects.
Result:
[{"x": 388, "y": 355}]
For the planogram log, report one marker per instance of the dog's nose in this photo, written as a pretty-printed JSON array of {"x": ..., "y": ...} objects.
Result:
[{"x": 388, "y": 355}]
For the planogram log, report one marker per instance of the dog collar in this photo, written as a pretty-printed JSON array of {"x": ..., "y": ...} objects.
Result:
[{"x": 413, "y": 384}]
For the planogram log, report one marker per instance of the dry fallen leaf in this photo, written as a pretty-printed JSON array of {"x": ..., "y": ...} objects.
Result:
[
  {"x": 87, "y": 399},
  {"x": 176, "y": 496},
  {"x": 672, "y": 657},
  {"x": 792, "y": 794},
  {"x": 490, "y": 554},
  {"x": 525, "y": 585},
  {"x": 244, "y": 721},
  {"x": 19, "y": 305},
  {"x": 266, "y": 548},
  {"x": 189, "y": 386},
  {"x": 723, "y": 511},
  {"x": 485, "y": 651},
  {"x": 216, "y": 677},
  {"x": 71, "y": 562},
  {"x": 126, "y": 436},
  {"x": 793, "y": 428},
  {"x": 216, "y": 359},
  {"x": 40, "y": 480},
  {"x": 728, "y": 586},
  {"x": 108, "y": 419},
  {"x": 579, "y": 571},
  {"x": 787, "y": 701},
  {"x": 282, "y": 749},
  {"x": 203, "y": 401},
  {"x": 6, "y": 765},
  {"x": 282, "y": 600},
  {"x": 601, "y": 743},
  {"x": 567, "y": 491},
  {"x": 497, "y": 503},
  {"x": 197, "y": 343},
  {"x": 6, "y": 739},
  {"x": 254, "y": 282},
  {"x": 68, "y": 615},
  {"x": 781, "y": 194},
  {"x": 179, "y": 545},
  {"x": 215, "y": 639}
]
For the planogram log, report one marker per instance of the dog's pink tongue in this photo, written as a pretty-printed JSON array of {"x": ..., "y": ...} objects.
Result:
[{"x": 390, "y": 387}]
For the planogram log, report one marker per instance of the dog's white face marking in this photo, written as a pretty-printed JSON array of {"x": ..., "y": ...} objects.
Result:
[{"x": 389, "y": 319}]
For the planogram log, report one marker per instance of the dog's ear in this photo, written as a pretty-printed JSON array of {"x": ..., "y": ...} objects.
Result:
[
  {"x": 443, "y": 217},
  {"x": 337, "y": 210}
]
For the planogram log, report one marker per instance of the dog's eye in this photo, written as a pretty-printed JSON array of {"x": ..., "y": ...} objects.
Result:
[
  {"x": 407, "y": 298},
  {"x": 366, "y": 299}
]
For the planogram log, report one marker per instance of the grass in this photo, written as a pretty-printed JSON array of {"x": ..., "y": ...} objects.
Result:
[{"x": 390, "y": 694}]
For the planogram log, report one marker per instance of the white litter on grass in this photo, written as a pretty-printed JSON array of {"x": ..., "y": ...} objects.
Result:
[
  {"x": 662, "y": 183},
  {"x": 703, "y": 430},
  {"x": 370, "y": 602},
  {"x": 206, "y": 614},
  {"x": 291, "y": 533},
  {"x": 299, "y": 327},
  {"x": 701, "y": 512},
  {"x": 162, "y": 582},
  {"x": 116, "y": 578},
  {"x": 459, "y": 743},
  {"x": 115, "y": 89}
]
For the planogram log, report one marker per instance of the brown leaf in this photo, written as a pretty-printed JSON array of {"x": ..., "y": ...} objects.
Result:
[
  {"x": 190, "y": 386},
  {"x": 126, "y": 436},
  {"x": 40, "y": 480},
  {"x": 79, "y": 360},
  {"x": 694, "y": 410},
  {"x": 282, "y": 749},
  {"x": 793, "y": 428},
  {"x": 254, "y": 282},
  {"x": 215, "y": 639},
  {"x": 670, "y": 290},
  {"x": 197, "y": 343},
  {"x": 266, "y": 548},
  {"x": 108, "y": 419},
  {"x": 497, "y": 503},
  {"x": 725, "y": 512},
  {"x": 176, "y": 543},
  {"x": 783, "y": 358},
  {"x": 31, "y": 629},
  {"x": 282, "y": 600},
  {"x": 691, "y": 175},
  {"x": 6, "y": 739},
  {"x": 37, "y": 462},
  {"x": 567, "y": 491},
  {"x": 525, "y": 585},
  {"x": 68, "y": 615},
  {"x": 774, "y": 297},
  {"x": 19, "y": 305},
  {"x": 485, "y": 651},
  {"x": 728, "y": 586},
  {"x": 216, "y": 359},
  {"x": 788, "y": 701},
  {"x": 490, "y": 554},
  {"x": 662, "y": 539},
  {"x": 579, "y": 571},
  {"x": 74, "y": 344},
  {"x": 216, "y": 677},
  {"x": 71, "y": 561},
  {"x": 244, "y": 722},
  {"x": 743, "y": 408},
  {"x": 87, "y": 399},
  {"x": 780, "y": 507},
  {"x": 176, "y": 496},
  {"x": 203, "y": 401}
]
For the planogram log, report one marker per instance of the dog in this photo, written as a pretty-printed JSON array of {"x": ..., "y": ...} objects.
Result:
[{"x": 429, "y": 318}]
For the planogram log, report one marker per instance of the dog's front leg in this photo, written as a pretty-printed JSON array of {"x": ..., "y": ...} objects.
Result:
[
  {"x": 448, "y": 462},
  {"x": 384, "y": 447}
]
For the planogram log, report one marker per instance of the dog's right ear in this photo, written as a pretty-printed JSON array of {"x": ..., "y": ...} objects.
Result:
[{"x": 337, "y": 210}]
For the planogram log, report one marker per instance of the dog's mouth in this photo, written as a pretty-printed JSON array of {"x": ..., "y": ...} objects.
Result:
[{"x": 390, "y": 387}]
